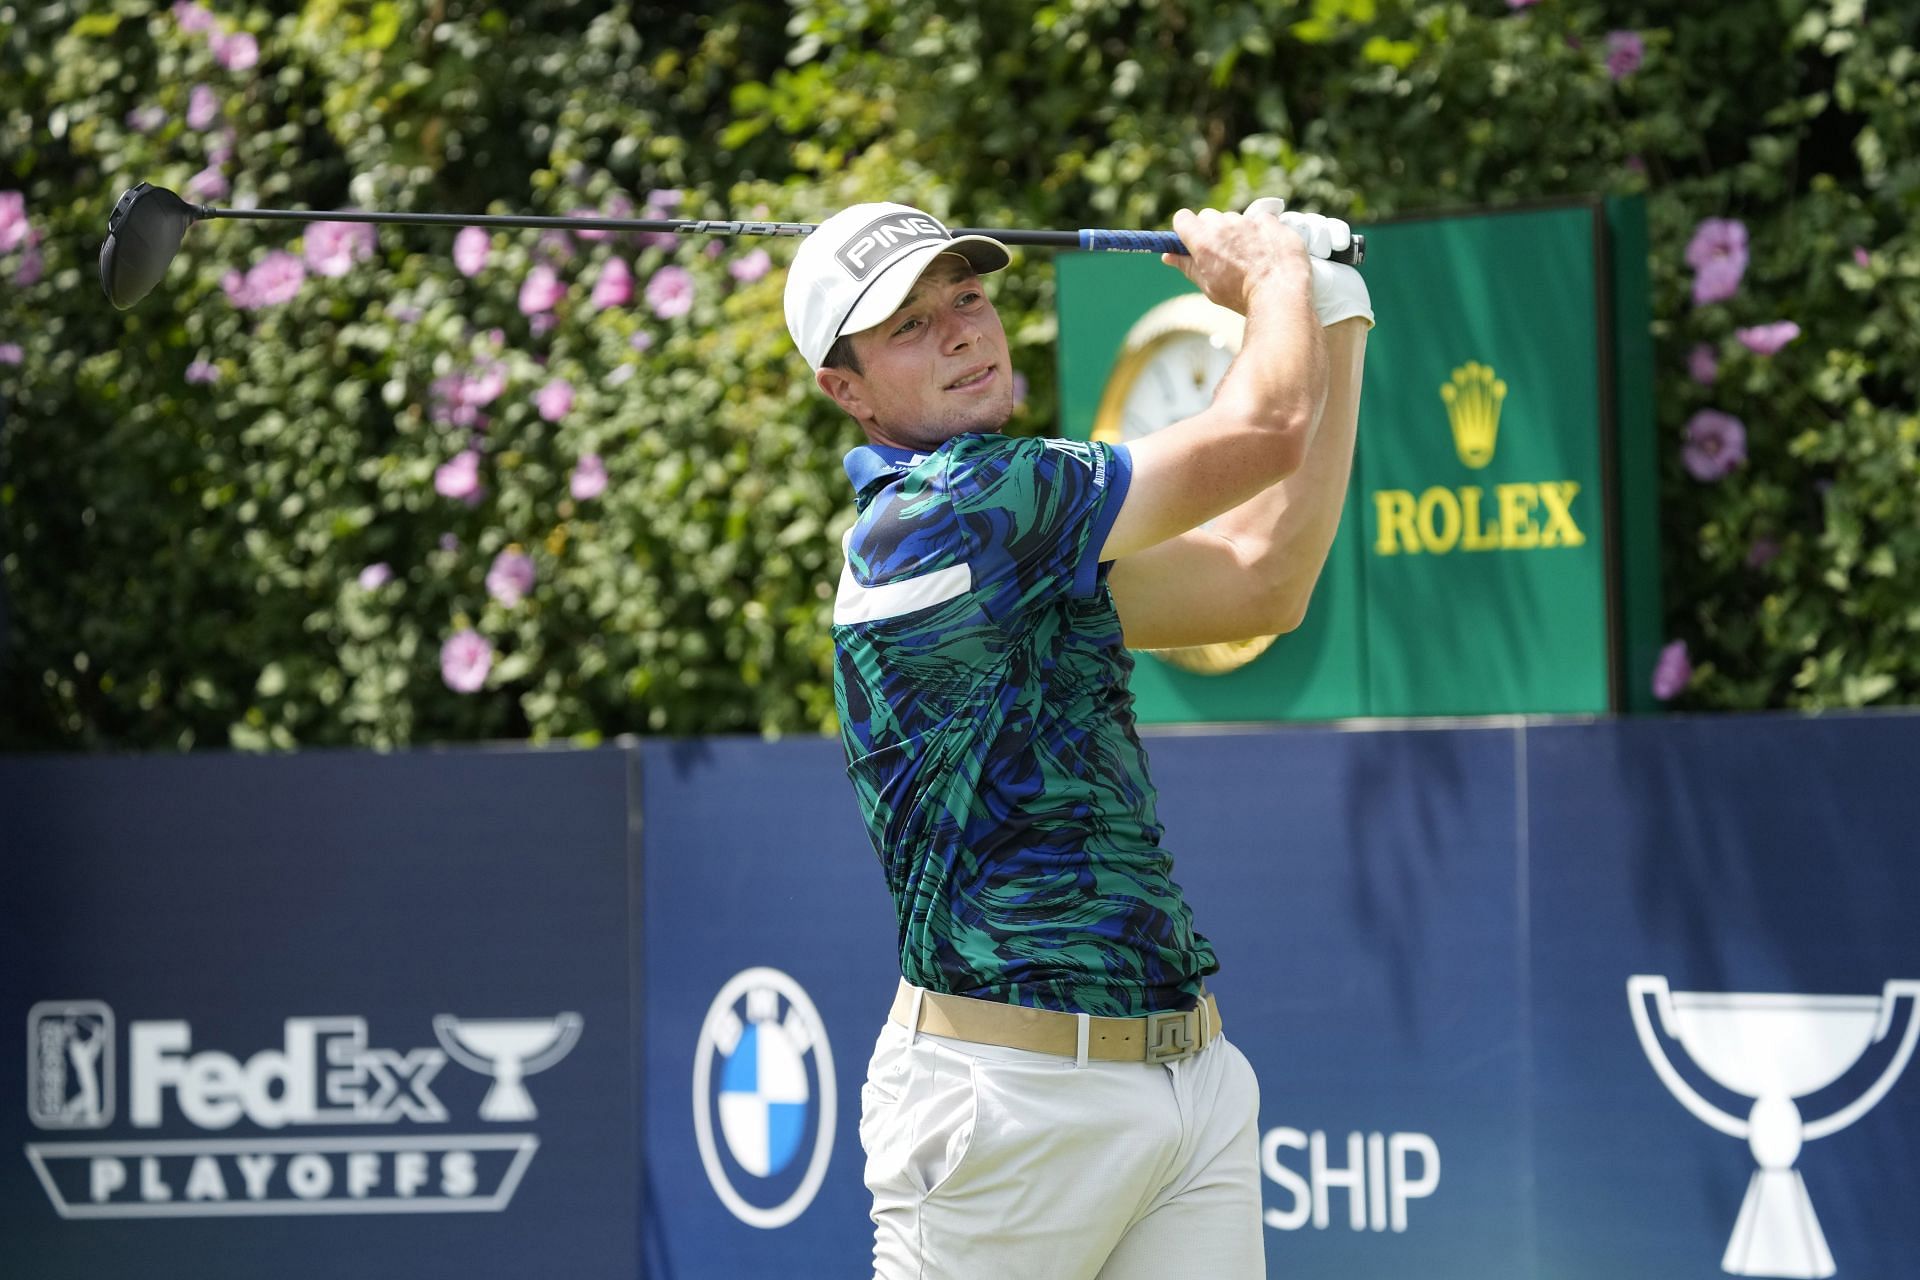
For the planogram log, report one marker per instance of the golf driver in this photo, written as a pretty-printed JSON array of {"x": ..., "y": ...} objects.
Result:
[{"x": 147, "y": 225}]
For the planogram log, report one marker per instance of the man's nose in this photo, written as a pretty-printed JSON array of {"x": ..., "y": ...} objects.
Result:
[{"x": 961, "y": 332}]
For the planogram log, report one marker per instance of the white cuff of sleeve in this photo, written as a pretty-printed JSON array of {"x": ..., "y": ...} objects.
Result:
[{"x": 1339, "y": 293}]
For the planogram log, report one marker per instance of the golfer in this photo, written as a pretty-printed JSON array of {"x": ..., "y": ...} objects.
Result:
[{"x": 1052, "y": 1096}]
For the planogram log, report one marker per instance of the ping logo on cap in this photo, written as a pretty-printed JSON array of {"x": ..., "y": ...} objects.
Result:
[{"x": 884, "y": 239}]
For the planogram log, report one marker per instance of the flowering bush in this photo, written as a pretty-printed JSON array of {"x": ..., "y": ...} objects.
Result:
[{"x": 334, "y": 484}]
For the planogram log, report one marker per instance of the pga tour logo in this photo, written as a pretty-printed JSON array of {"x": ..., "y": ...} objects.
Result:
[
  {"x": 324, "y": 1072},
  {"x": 70, "y": 1065},
  {"x": 764, "y": 1098}
]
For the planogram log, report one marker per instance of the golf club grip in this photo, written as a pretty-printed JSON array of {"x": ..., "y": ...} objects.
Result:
[{"x": 1167, "y": 242}]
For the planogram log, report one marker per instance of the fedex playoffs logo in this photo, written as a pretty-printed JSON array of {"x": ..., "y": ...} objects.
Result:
[
  {"x": 324, "y": 1072},
  {"x": 883, "y": 239}
]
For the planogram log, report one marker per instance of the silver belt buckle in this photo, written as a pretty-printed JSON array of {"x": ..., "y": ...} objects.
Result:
[{"x": 1172, "y": 1034}]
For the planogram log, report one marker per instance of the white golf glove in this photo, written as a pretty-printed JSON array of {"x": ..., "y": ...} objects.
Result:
[{"x": 1339, "y": 292}]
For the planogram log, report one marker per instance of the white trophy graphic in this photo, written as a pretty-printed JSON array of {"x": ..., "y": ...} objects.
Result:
[
  {"x": 1773, "y": 1049},
  {"x": 509, "y": 1050}
]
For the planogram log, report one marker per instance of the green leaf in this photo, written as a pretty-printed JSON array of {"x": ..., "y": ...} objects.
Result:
[
  {"x": 1398, "y": 54},
  {"x": 95, "y": 24}
]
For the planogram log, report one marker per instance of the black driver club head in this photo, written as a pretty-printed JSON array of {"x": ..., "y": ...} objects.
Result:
[{"x": 143, "y": 234}]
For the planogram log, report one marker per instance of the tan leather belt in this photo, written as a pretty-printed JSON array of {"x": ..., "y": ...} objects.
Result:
[{"x": 1156, "y": 1037}]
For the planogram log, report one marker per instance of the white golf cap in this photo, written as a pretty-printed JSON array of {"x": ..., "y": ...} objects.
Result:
[{"x": 856, "y": 268}]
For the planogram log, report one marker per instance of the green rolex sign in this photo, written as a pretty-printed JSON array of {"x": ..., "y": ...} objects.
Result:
[{"x": 1497, "y": 552}]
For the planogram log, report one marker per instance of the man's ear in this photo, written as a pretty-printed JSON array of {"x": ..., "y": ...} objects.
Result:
[{"x": 845, "y": 389}]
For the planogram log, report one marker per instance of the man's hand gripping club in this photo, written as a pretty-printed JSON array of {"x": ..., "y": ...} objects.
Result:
[{"x": 1267, "y": 406}]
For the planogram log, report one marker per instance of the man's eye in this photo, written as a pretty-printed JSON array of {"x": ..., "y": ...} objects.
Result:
[
  {"x": 907, "y": 324},
  {"x": 968, "y": 298}
]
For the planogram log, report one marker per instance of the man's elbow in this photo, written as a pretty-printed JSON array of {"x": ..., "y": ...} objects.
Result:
[
  {"x": 1283, "y": 607},
  {"x": 1289, "y": 618},
  {"x": 1288, "y": 451}
]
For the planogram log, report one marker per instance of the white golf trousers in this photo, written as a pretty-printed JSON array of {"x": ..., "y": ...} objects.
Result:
[{"x": 988, "y": 1163}]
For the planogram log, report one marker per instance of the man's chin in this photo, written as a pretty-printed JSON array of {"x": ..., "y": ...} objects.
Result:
[
  {"x": 986, "y": 421},
  {"x": 989, "y": 421}
]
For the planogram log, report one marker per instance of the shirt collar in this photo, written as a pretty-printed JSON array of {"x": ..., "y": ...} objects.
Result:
[{"x": 868, "y": 464}]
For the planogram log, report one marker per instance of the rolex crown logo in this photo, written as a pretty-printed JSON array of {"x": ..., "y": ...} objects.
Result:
[{"x": 1473, "y": 401}]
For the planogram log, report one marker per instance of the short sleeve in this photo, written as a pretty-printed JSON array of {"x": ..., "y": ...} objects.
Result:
[{"x": 1040, "y": 509}]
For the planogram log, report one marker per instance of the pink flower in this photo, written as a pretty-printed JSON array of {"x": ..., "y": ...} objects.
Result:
[
  {"x": 618, "y": 205},
  {"x": 1625, "y": 52},
  {"x": 1019, "y": 390},
  {"x": 1521, "y": 4},
  {"x": 1703, "y": 365},
  {"x": 465, "y": 659},
  {"x": 237, "y": 291},
  {"x": 1716, "y": 444},
  {"x": 614, "y": 288},
  {"x": 554, "y": 400},
  {"x": 13, "y": 220},
  {"x": 221, "y": 149},
  {"x": 332, "y": 247},
  {"x": 540, "y": 291},
  {"x": 32, "y": 265},
  {"x": 375, "y": 576},
  {"x": 487, "y": 382},
  {"x": 714, "y": 248},
  {"x": 670, "y": 292},
  {"x": 1861, "y": 258},
  {"x": 662, "y": 199},
  {"x": 146, "y": 119},
  {"x": 459, "y": 477},
  {"x": 1672, "y": 672},
  {"x": 471, "y": 249},
  {"x": 449, "y": 542},
  {"x": 587, "y": 233},
  {"x": 1717, "y": 238},
  {"x": 276, "y": 278},
  {"x": 589, "y": 479},
  {"x": 542, "y": 325},
  {"x": 1718, "y": 255},
  {"x": 237, "y": 52},
  {"x": 10, "y": 353},
  {"x": 459, "y": 397},
  {"x": 1765, "y": 339},
  {"x": 203, "y": 104},
  {"x": 203, "y": 371},
  {"x": 641, "y": 341},
  {"x": 1716, "y": 283},
  {"x": 511, "y": 577},
  {"x": 192, "y": 17},
  {"x": 208, "y": 184},
  {"x": 751, "y": 267}
]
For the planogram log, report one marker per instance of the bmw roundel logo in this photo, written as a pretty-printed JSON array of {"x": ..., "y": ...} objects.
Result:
[{"x": 763, "y": 1097}]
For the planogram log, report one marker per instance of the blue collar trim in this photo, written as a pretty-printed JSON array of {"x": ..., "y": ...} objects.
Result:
[{"x": 868, "y": 463}]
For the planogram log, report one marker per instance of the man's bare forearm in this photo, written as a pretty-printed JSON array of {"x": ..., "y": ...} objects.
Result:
[
  {"x": 1283, "y": 534},
  {"x": 1280, "y": 374}
]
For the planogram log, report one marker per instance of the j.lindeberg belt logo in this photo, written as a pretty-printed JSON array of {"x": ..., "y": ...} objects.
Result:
[
  {"x": 884, "y": 239},
  {"x": 1170, "y": 1035}
]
